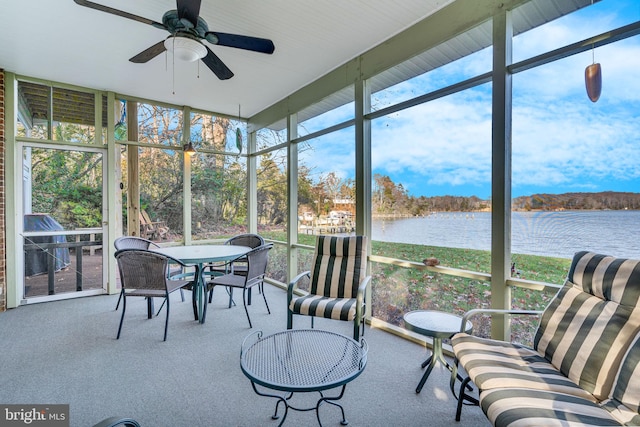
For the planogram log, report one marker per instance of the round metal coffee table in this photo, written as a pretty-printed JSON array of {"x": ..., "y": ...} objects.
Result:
[
  {"x": 302, "y": 360},
  {"x": 437, "y": 325}
]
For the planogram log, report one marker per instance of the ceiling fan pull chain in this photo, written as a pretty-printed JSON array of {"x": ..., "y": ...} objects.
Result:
[{"x": 173, "y": 65}]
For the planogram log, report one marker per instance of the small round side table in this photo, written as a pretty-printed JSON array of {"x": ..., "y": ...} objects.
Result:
[{"x": 437, "y": 325}]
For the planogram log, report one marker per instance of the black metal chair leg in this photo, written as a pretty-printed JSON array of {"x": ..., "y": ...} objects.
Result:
[
  {"x": 124, "y": 308},
  {"x": 264, "y": 297},
  {"x": 119, "y": 298},
  {"x": 161, "y": 305},
  {"x": 462, "y": 395},
  {"x": 166, "y": 322},
  {"x": 356, "y": 331},
  {"x": 149, "y": 308},
  {"x": 289, "y": 319},
  {"x": 246, "y": 310}
]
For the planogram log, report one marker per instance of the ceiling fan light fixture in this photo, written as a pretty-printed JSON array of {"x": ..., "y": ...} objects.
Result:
[
  {"x": 187, "y": 29},
  {"x": 185, "y": 49}
]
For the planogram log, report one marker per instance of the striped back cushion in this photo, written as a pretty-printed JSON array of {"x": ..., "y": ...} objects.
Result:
[
  {"x": 627, "y": 388},
  {"x": 339, "y": 266},
  {"x": 587, "y": 328}
]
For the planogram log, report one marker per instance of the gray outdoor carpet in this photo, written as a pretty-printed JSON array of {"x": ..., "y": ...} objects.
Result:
[{"x": 65, "y": 352}]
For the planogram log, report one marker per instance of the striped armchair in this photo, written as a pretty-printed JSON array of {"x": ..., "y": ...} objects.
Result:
[
  {"x": 338, "y": 283},
  {"x": 579, "y": 371}
]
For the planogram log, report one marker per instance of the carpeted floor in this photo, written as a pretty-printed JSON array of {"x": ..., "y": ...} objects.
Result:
[{"x": 65, "y": 352}]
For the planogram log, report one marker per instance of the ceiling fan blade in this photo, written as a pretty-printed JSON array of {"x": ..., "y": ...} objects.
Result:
[
  {"x": 150, "y": 53},
  {"x": 188, "y": 10},
  {"x": 216, "y": 65},
  {"x": 255, "y": 44},
  {"x": 107, "y": 9}
]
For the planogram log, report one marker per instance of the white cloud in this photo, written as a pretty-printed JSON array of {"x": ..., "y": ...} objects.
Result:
[{"x": 560, "y": 139}]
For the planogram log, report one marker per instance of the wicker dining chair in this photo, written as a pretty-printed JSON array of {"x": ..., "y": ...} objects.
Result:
[
  {"x": 146, "y": 274},
  {"x": 134, "y": 242},
  {"x": 257, "y": 261},
  {"x": 237, "y": 266}
]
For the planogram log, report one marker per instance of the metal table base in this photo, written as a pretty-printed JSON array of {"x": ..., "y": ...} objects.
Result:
[
  {"x": 302, "y": 361},
  {"x": 437, "y": 325},
  {"x": 285, "y": 401},
  {"x": 437, "y": 356}
]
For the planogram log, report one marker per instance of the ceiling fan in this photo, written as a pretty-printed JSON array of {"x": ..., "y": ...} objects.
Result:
[{"x": 185, "y": 26}]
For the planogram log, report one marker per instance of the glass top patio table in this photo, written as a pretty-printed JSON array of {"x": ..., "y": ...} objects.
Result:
[
  {"x": 198, "y": 255},
  {"x": 437, "y": 325}
]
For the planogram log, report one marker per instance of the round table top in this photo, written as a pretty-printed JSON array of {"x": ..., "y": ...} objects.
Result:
[
  {"x": 436, "y": 324},
  {"x": 302, "y": 360},
  {"x": 199, "y": 254}
]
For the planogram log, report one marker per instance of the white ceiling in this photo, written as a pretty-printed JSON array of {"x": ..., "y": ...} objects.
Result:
[{"x": 61, "y": 41}]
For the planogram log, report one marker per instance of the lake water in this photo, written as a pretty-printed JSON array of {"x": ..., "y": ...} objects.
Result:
[{"x": 558, "y": 234}]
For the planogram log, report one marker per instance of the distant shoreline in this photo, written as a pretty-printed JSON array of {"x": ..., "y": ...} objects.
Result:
[
  {"x": 402, "y": 205},
  {"x": 546, "y": 233},
  {"x": 436, "y": 212}
]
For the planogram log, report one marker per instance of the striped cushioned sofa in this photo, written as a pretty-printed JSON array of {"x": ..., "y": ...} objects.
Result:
[{"x": 584, "y": 367}]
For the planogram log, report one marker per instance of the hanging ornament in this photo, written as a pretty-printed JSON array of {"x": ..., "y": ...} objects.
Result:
[
  {"x": 239, "y": 140},
  {"x": 593, "y": 81},
  {"x": 239, "y": 134},
  {"x": 593, "y": 76}
]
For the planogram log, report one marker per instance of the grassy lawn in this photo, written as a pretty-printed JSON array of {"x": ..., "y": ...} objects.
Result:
[{"x": 397, "y": 290}]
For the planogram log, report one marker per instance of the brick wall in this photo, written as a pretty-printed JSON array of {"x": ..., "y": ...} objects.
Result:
[{"x": 3, "y": 246}]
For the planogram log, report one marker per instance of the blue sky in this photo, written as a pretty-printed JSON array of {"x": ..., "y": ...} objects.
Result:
[{"x": 562, "y": 142}]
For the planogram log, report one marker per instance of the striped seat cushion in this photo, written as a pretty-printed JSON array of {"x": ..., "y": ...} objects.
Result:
[
  {"x": 514, "y": 407},
  {"x": 496, "y": 364},
  {"x": 318, "y": 305},
  {"x": 339, "y": 266},
  {"x": 624, "y": 404},
  {"x": 620, "y": 412},
  {"x": 587, "y": 328}
]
